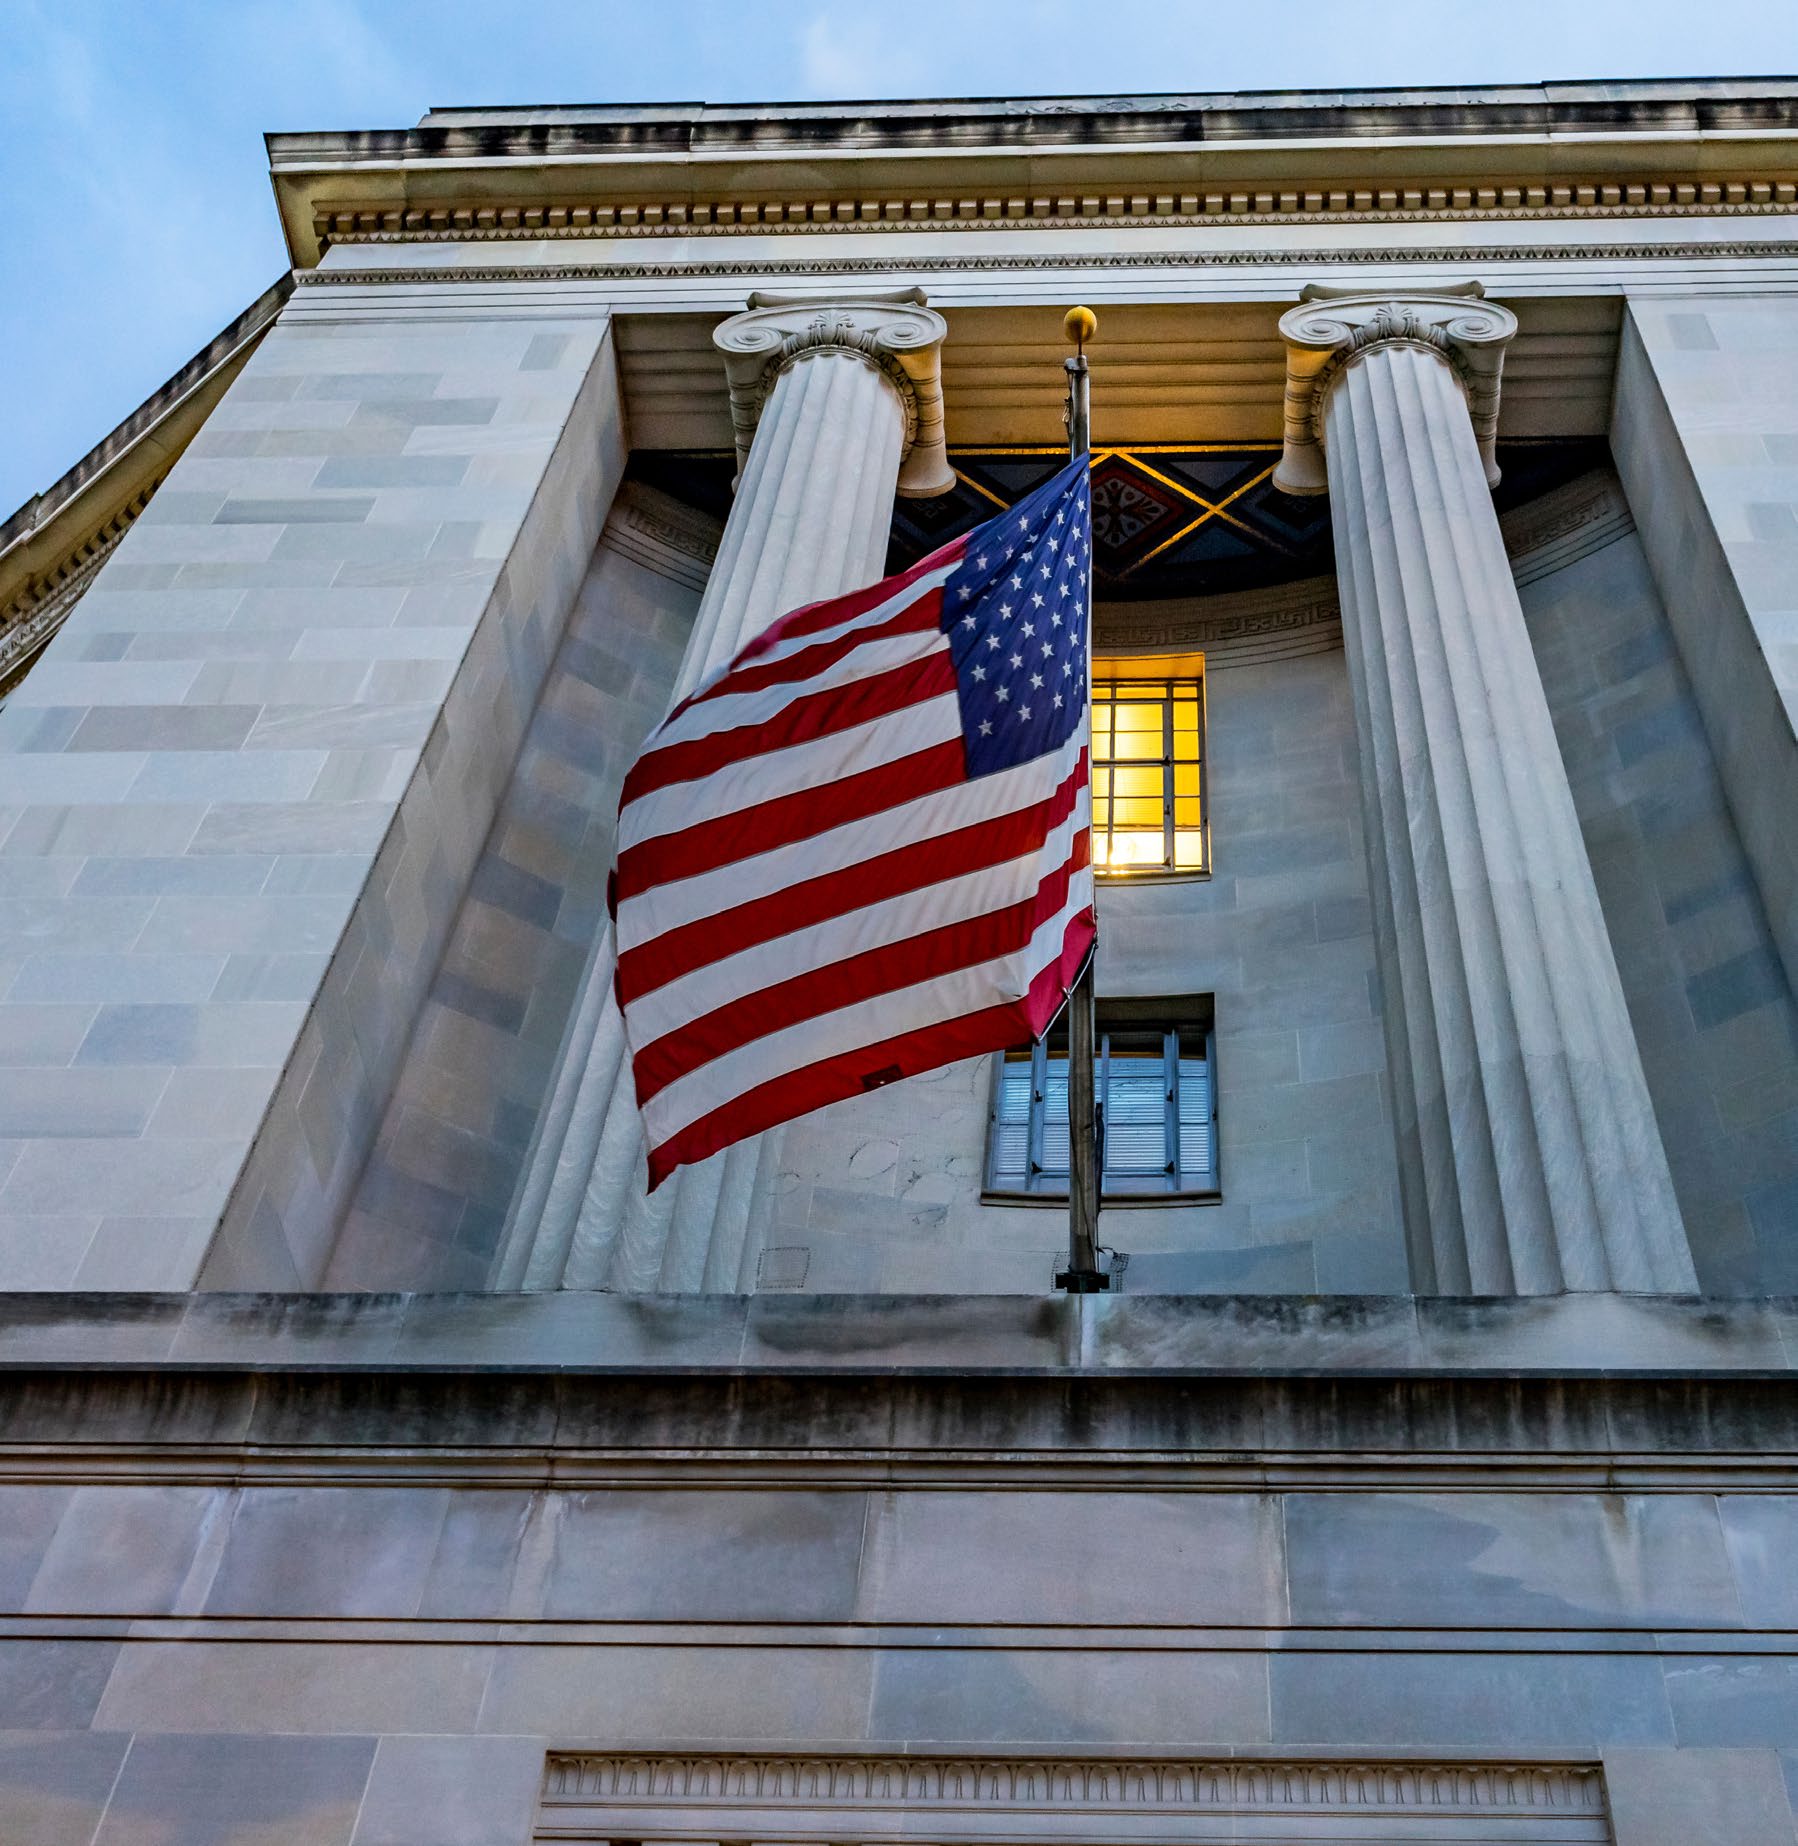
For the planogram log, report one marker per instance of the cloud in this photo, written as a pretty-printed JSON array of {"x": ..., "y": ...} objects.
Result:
[{"x": 845, "y": 58}]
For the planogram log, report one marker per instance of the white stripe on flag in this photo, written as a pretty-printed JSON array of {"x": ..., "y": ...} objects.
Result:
[
  {"x": 732, "y": 710},
  {"x": 855, "y": 932},
  {"x": 946, "y": 810},
  {"x": 869, "y": 618},
  {"x": 753, "y": 781}
]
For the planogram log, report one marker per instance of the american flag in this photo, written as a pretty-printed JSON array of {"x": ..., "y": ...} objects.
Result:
[{"x": 863, "y": 849}]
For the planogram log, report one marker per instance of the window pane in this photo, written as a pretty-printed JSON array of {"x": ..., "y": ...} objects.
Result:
[
  {"x": 1137, "y": 814},
  {"x": 1055, "y": 1119},
  {"x": 1189, "y": 851},
  {"x": 1011, "y": 1155},
  {"x": 1144, "y": 781},
  {"x": 1197, "y": 1156},
  {"x": 1138, "y": 746},
  {"x": 1136, "y": 1109},
  {"x": 1186, "y": 779},
  {"x": 1014, "y": 1087},
  {"x": 1135, "y": 849}
]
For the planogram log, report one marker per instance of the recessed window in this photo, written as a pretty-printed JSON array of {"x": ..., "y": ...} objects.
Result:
[
  {"x": 1148, "y": 773},
  {"x": 1153, "y": 1078}
]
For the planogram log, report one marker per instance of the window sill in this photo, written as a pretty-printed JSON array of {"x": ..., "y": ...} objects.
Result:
[
  {"x": 1115, "y": 880},
  {"x": 1109, "y": 1201}
]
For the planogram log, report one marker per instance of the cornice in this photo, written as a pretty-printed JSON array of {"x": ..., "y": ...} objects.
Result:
[
  {"x": 1764, "y": 195},
  {"x": 1705, "y": 144}
]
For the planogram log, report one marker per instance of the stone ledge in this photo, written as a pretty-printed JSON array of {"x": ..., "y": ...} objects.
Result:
[{"x": 1143, "y": 1336}]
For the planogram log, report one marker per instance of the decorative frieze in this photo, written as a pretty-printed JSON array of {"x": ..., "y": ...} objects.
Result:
[
  {"x": 725, "y": 217},
  {"x": 871, "y": 1798},
  {"x": 1025, "y": 261}
]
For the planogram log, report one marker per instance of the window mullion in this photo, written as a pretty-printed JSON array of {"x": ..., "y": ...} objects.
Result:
[
  {"x": 1167, "y": 774},
  {"x": 1039, "y": 1090},
  {"x": 1102, "y": 1099},
  {"x": 1170, "y": 1107}
]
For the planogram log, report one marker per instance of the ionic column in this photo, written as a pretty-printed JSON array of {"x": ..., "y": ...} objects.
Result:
[
  {"x": 1529, "y": 1157},
  {"x": 836, "y": 406}
]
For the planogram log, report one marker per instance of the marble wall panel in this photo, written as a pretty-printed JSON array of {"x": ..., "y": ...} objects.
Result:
[
  {"x": 1705, "y": 435},
  {"x": 212, "y": 738},
  {"x": 1708, "y": 994},
  {"x": 430, "y": 1204}
]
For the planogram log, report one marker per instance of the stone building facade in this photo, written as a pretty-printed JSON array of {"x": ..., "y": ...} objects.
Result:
[{"x": 384, "y": 1467}]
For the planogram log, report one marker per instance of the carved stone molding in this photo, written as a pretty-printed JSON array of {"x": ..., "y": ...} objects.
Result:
[
  {"x": 864, "y": 1799},
  {"x": 1238, "y": 629},
  {"x": 1023, "y": 262},
  {"x": 29, "y": 627},
  {"x": 894, "y": 333},
  {"x": 655, "y": 530},
  {"x": 1332, "y": 328},
  {"x": 1472, "y": 201},
  {"x": 1283, "y": 621}
]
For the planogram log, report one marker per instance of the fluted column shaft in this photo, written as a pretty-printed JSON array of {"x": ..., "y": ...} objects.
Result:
[
  {"x": 1530, "y": 1161},
  {"x": 833, "y": 421}
]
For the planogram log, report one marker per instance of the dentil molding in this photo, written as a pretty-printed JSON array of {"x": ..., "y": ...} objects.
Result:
[
  {"x": 1469, "y": 200},
  {"x": 1333, "y": 327},
  {"x": 895, "y": 334}
]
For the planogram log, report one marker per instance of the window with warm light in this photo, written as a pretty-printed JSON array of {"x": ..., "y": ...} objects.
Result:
[{"x": 1148, "y": 773}]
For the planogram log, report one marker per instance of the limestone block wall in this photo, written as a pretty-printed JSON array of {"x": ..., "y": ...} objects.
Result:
[
  {"x": 431, "y": 1203},
  {"x": 1709, "y": 998},
  {"x": 883, "y": 1192},
  {"x": 227, "y": 859},
  {"x": 1705, "y": 437},
  {"x": 316, "y": 1571}
]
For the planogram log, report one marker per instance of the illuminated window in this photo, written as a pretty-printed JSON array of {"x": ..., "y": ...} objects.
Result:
[
  {"x": 1152, "y": 1080},
  {"x": 1148, "y": 772}
]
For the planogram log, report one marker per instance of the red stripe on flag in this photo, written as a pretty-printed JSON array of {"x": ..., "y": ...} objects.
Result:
[
  {"x": 881, "y": 970},
  {"x": 805, "y": 720},
  {"x": 801, "y": 815},
  {"x": 925, "y": 613},
  {"x": 829, "y": 614},
  {"x": 994, "y": 1028},
  {"x": 679, "y": 951}
]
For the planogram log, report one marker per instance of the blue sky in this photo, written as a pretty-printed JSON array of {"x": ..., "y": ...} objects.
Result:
[{"x": 139, "y": 213}]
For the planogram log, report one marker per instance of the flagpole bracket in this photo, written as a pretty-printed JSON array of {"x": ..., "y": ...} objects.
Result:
[{"x": 1083, "y": 1282}]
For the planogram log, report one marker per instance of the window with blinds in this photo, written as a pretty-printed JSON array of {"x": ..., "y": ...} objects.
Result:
[
  {"x": 1148, "y": 772},
  {"x": 1153, "y": 1078}
]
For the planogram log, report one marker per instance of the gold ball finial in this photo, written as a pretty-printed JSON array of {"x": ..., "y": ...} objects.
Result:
[{"x": 1080, "y": 324}]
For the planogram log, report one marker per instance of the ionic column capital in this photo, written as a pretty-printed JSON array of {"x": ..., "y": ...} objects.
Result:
[
  {"x": 1332, "y": 328},
  {"x": 896, "y": 334}
]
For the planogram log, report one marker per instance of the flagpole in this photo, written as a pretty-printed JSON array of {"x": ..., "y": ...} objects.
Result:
[{"x": 1085, "y": 1156}]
